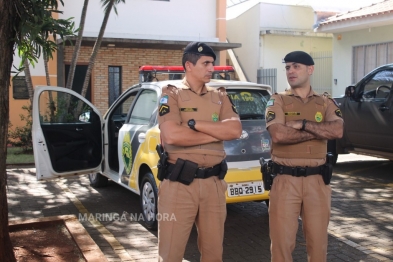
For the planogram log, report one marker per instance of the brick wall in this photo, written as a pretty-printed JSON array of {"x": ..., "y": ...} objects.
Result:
[{"x": 130, "y": 59}]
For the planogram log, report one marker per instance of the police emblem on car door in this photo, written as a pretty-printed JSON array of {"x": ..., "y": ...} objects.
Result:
[{"x": 132, "y": 132}]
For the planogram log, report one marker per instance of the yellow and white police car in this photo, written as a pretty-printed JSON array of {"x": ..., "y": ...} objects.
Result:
[{"x": 70, "y": 137}]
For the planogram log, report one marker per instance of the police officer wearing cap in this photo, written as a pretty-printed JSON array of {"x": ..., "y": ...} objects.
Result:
[
  {"x": 194, "y": 120},
  {"x": 300, "y": 122}
]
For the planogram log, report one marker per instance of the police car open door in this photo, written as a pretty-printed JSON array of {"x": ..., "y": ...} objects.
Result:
[{"x": 67, "y": 133}]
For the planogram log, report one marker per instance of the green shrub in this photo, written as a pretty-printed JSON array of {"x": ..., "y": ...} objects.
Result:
[{"x": 21, "y": 136}]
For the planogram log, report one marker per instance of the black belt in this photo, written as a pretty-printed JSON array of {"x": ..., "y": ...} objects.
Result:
[
  {"x": 297, "y": 171},
  {"x": 201, "y": 171}
]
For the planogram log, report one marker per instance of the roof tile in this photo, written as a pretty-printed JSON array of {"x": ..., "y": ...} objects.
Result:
[{"x": 380, "y": 8}]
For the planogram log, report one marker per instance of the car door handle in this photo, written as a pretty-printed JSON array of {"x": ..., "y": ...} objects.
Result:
[{"x": 79, "y": 129}]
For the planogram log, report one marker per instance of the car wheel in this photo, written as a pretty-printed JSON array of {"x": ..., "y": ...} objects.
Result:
[
  {"x": 98, "y": 180},
  {"x": 148, "y": 200}
]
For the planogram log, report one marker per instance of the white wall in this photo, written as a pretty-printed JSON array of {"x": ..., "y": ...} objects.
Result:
[
  {"x": 146, "y": 19},
  {"x": 276, "y": 16},
  {"x": 267, "y": 51},
  {"x": 277, "y": 46},
  {"x": 342, "y": 52},
  {"x": 191, "y": 20},
  {"x": 245, "y": 30}
]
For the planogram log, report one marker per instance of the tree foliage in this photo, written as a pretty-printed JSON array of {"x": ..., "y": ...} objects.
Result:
[
  {"x": 26, "y": 25},
  {"x": 20, "y": 136},
  {"x": 39, "y": 29}
]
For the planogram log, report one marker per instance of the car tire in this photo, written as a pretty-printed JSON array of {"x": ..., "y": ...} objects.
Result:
[
  {"x": 148, "y": 200},
  {"x": 98, "y": 180}
]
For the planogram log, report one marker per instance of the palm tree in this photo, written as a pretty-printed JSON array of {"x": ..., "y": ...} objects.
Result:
[
  {"x": 107, "y": 4},
  {"x": 77, "y": 47},
  {"x": 28, "y": 80}
]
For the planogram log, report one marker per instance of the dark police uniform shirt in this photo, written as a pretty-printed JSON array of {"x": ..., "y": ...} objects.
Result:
[
  {"x": 321, "y": 107},
  {"x": 180, "y": 104}
]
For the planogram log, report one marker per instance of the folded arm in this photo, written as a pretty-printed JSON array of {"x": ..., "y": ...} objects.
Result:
[
  {"x": 325, "y": 130},
  {"x": 282, "y": 134},
  {"x": 227, "y": 129},
  {"x": 180, "y": 135}
]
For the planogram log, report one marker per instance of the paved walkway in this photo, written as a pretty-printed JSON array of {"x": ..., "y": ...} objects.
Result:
[{"x": 360, "y": 229}]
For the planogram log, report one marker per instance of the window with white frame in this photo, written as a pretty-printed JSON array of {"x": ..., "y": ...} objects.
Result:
[{"x": 368, "y": 57}]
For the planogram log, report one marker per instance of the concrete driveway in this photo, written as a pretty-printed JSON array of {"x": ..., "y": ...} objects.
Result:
[{"x": 361, "y": 226}]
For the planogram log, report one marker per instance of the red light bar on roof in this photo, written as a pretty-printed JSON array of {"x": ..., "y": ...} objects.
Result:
[{"x": 179, "y": 69}]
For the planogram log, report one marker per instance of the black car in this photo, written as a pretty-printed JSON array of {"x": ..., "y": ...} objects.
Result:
[{"x": 367, "y": 111}]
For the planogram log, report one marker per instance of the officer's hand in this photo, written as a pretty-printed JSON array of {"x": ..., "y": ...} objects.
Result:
[{"x": 297, "y": 124}]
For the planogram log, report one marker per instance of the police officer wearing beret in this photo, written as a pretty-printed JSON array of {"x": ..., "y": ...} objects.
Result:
[
  {"x": 194, "y": 120},
  {"x": 300, "y": 122}
]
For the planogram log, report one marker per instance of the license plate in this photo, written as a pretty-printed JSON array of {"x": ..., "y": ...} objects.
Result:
[{"x": 245, "y": 189}]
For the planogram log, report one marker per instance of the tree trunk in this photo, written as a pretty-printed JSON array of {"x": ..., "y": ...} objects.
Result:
[
  {"x": 45, "y": 56},
  {"x": 51, "y": 102},
  {"x": 74, "y": 61},
  {"x": 29, "y": 82},
  {"x": 96, "y": 48},
  {"x": 8, "y": 19}
]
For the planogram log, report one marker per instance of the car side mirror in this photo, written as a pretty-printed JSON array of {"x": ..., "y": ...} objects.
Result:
[{"x": 350, "y": 92}]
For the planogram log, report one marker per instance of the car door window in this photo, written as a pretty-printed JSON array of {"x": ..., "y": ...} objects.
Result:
[
  {"x": 72, "y": 131},
  {"x": 59, "y": 107},
  {"x": 379, "y": 85},
  {"x": 143, "y": 108},
  {"x": 116, "y": 120}
]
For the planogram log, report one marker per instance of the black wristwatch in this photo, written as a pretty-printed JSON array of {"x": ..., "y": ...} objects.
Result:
[
  {"x": 191, "y": 124},
  {"x": 303, "y": 125}
]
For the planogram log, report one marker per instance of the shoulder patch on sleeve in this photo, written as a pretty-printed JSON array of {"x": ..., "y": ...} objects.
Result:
[
  {"x": 164, "y": 99},
  {"x": 270, "y": 116},
  {"x": 338, "y": 113},
  {"x": 164, "y": 109}
]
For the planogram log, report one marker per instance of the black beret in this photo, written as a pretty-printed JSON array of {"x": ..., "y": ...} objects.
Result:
[
  {"x": 200, "y": 49},
  {"x": 299, "y": 57}
]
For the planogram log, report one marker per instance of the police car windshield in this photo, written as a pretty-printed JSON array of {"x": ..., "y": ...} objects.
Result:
[{"x": 250, "y": 104}]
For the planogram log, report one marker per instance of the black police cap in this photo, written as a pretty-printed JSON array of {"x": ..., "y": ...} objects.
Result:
[
  {"x": 298, "y": 57},
  {"x": 200, "y": 49}
]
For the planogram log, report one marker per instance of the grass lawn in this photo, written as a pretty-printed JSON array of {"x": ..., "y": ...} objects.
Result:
[{"x": 15, "y": 155}]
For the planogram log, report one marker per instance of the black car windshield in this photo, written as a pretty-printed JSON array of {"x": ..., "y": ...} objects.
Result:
[
  {"x": 250, "y": 104},
  {"x": 255, "y": 140}
]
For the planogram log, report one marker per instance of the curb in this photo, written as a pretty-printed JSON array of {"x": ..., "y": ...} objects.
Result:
[{"x": 20, "y": 165}]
